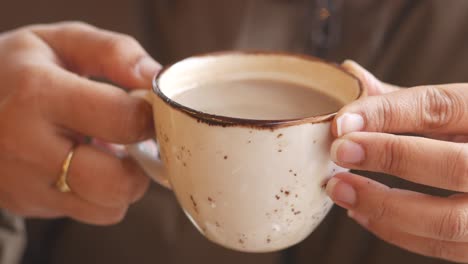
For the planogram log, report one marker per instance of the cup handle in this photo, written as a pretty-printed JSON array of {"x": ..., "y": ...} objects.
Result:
[{"x": 146, "y": 152}]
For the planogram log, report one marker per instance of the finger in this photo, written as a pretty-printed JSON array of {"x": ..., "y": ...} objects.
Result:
[
  {"x": 449, "y": 250},
  {"x": 98, "y": 110},
  {"x": 84, "y": 211},
  {"x": 26, "y": 200},
  {"x": 105, "y": 180},
  {"x": 370, "y": 82},
  {"x": 414, "y": 213},
  {"x": 40, "y": 198},
  {"x": 91, "y": 51},
  {"x": 426, "y": 109},
  {"x": 421, "y": 160},
  {"x": 452, "y": 138},
  {"x": 49, "y": 203}
]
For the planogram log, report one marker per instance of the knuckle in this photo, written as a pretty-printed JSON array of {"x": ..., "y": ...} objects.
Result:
[
  {"x": 77, "y": 25},
  {"x": 19, "y": 38},
  {"x": 29, "y": 82},
  {"x": 118, "y": 44},
  {"x": 392, "y": 159},
  {"x": 29, "y": 76},
  {"x": 383, "y": 210},
  {"x": 387, "y": 114},
  {"x": 438, "y": 107},
  {"x": 453, "y": 225}
]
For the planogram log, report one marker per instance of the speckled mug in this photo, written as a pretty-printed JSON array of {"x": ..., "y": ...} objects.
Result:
[{"x": 248, "y": 185}]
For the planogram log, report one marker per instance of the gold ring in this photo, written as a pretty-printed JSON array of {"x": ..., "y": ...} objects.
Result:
[{"x": 62, "y": 184}]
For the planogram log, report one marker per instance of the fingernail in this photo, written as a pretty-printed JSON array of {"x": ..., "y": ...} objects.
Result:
[
  {"x": 341, "y": 192},
  {"x": 360, "y": 219},
  {"x": 147, "y": 68},
  {"x": 349, "y": 122},
  {"x": 346, "y": 151}
]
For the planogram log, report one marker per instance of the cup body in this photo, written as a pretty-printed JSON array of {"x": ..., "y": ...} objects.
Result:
[{"x": 249, "y": 185}]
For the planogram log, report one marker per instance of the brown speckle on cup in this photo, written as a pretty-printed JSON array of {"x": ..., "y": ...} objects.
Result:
[{"x": 195, "y": 206}]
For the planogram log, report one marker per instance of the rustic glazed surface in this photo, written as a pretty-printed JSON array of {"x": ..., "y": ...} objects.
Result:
[{"x": 249, "y": 185}]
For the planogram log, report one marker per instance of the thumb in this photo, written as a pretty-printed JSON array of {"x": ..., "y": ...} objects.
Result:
[
  {"x": 94, "y": 52},
  {"x": 370, "y": 82}
]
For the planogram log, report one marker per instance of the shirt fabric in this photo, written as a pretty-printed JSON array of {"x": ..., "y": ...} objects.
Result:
[{"x": 404, "y": 42}]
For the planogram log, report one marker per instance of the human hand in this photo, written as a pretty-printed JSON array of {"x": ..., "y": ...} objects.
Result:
[
  {"x": 428, "y": 225},
  {"x": 47, "y": 105}
]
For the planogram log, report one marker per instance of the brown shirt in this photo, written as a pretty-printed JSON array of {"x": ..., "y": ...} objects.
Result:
[{"x": 405, "y": 42}]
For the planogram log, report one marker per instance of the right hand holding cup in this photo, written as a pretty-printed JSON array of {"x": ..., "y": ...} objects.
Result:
[{"x": 425, "y": 224}]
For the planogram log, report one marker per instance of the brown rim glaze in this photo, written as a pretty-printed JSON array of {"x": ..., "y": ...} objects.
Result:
[{"x": 226, "y": 121}]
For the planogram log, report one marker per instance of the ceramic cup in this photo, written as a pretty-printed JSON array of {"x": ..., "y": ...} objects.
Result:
[{"x": 227, "y": 173}]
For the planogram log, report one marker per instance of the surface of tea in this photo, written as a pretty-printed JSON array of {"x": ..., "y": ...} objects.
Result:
[{"x": 258, "y": 99}]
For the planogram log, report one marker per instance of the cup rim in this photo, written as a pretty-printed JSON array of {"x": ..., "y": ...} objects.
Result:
[{"x": 226, "y": 121}]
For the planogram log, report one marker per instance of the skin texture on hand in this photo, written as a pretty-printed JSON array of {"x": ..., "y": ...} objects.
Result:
[
  {"x": 47, "y": 104},
  {"x": 428, "y": 225}
]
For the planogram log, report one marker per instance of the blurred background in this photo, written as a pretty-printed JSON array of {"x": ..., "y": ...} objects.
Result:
[{"x": 408, "y": 43}]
